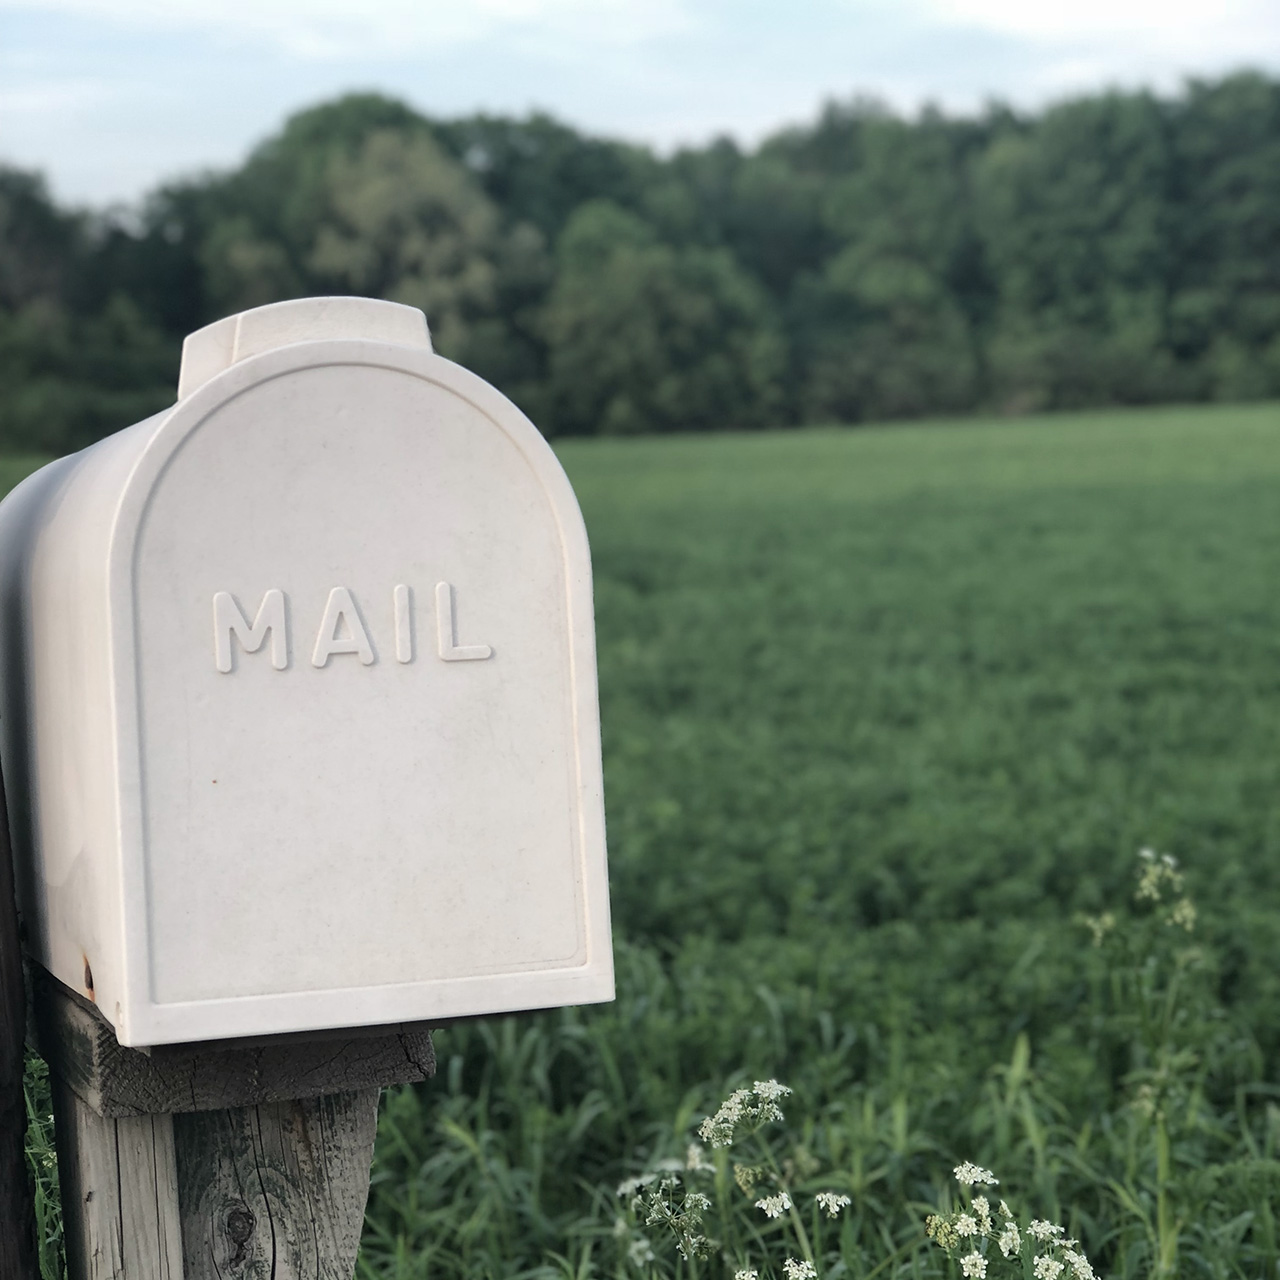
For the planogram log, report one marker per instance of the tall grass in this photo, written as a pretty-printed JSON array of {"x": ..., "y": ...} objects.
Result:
[{"x": 886, "y": 714}]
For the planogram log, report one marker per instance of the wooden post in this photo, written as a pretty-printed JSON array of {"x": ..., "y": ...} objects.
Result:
[
  {"x": 226, "y": 1161},
  {"x": 17, "y": 1223}
]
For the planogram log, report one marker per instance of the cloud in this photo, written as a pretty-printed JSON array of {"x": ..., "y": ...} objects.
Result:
[
  {"x": 1197, "y": 29},
  {"x": 331, "y": 29},
  {"x": 114, "y": 95}
]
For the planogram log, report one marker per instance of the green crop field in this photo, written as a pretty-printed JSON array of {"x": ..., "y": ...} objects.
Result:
[{"x": 887, "y": 713}]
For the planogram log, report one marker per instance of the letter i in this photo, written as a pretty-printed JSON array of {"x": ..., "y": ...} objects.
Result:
[{"x": 404, "y": 624}]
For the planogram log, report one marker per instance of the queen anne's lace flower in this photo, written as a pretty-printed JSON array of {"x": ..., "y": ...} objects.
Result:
[
  {"x": 718, "y": 1129},
  {"x": 1079, "y": 1264},
  {"x": 1010, "y": 1241},
  {"x": 756, "y": 1105},
  {"x": 632, "y": 1185},
  {"x": 966, "y": 1225},
  {"x": 974, "y": 1265},
  {"x": 799, "y": 1269},
  {"x": 1046, "y": 1268},
  {"x": 972, "y": 1175},
  {"x": 694, "y": 1247},
  {"x": 775, "y": 1206},
  {"x": 1043, "y": 1231},
  {"x": 769, "y": 1090},
  {"x": 830, "y": 1203},
  {"x": 746, "y": 1275},
  {"x": 641, "y": 1252}
]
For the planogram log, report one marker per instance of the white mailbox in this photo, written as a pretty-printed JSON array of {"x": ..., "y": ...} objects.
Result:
[{"x": 299, "y": 708}]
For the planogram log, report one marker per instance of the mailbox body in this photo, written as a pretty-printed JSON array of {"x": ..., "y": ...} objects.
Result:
[{"x": 299, "y": 718}]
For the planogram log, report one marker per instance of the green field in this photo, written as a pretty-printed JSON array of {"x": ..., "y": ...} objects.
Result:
[{"x": 884, "y": 712}]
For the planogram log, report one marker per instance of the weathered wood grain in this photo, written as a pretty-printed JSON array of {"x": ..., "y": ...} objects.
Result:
[
  {"x": 269, "y": 1192},
  {"x": 119, "y": 1196},
  {"x": 277, "y": 1191},
  {"x": 17, "y": 1235},
  {"x": 80, "y": 1047}
]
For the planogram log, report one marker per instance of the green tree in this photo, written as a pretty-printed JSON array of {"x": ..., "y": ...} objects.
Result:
[
  {"x": 1225, "y": 304},
  {"x": 72, "y": 367},
  {"x": 647, "y": 337},
  {"x": 886, "y": 329},
  {"x": 1075, "y": 217}
]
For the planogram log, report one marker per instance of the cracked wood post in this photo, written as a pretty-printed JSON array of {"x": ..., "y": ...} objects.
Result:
[
  {"x": 226, "y": 1161},
  {"x": 17, "y": 1224}
]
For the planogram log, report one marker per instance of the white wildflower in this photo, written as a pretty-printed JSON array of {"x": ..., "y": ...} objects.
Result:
[
  {"x": 757, "y": 1104},
  {"x": 746, "y": 1274},
  {"x": 972, "y": 1175},
  {"x": 1042, "y": 1230},
  {"x": 983, "y": 1209},
  {"x": 694, "y": 1247},
  {"x": 633, "y": 1185},
  {"x": 1005, "y": 1211},
  {"x": 1010, "y": 1241},
  {"x": 796, "y": 1269},
  {"x": 641, "y": 1252},
  {"x": 974, "y": 1265},
  {"x": 697, "y": 1201},
  {"x": 775, "y": 1206},
  {"x": 831, "y": 1203},
  {"x": 1078, "y": 1263},
  {"x": 1046, "y": 1268},
  {"x": 1100, "y": 926},
  {"x": 966, "y": 1226},
  {"x": 770, "y": 1090},
  {"x": 718, "y": 1129},
  {"x": 695, "y": 1160}
]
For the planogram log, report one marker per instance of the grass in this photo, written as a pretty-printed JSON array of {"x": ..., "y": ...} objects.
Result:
[{"x": 884, "y": 712}]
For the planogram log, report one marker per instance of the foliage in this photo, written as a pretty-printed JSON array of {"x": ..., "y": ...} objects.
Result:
[
  {"x": 645, "y": 336},
  {"x": 42, "y": 1166},
  {"x": 886, "y": 714},
  {"x": 1121, "y": 248}
]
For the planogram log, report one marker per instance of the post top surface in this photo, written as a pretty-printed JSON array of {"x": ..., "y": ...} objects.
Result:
[{"x": 208, "y": 351}]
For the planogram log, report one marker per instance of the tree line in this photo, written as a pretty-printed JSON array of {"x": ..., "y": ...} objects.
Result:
[{"x": 1119, "y": 248}]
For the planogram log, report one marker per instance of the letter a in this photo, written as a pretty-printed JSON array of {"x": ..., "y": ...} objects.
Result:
[
  {"x": 341, "y": 609},
  {"x": 228, "y": 621}
]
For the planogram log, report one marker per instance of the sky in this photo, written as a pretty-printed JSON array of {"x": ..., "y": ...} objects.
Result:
[{"x": 108, "y": 98}]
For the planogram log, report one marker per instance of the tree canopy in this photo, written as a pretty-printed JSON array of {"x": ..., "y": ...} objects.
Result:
[{"x": 1119, "y": 248}]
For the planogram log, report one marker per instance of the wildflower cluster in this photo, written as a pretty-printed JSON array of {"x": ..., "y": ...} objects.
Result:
[
  {"x": 972, "y": 1175},
  {"x": 830, "y": 1203},
  {"x": 775, "y": 1206},
  {"x": 665, "y": 1203},
  {"x": 973, "y": 1235},
  {"x": 795, "y": 1238},
  {"x": 1158, "y": 876},
  {"x": 750, "y": 1108},
  {"x": 799, "y": 1269}
]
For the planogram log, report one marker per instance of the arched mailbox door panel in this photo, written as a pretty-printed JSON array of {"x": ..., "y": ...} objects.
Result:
[{"x": 352, "y": 774}]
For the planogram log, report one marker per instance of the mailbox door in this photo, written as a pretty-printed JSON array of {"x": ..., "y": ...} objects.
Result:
[{"x": 355, "y": 677}]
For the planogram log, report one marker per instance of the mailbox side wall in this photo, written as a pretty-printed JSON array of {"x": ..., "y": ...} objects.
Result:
[{"x": 62, "y": 744}]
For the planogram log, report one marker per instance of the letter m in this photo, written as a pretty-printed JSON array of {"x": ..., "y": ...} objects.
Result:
[{"x": 229, "y": 621}]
